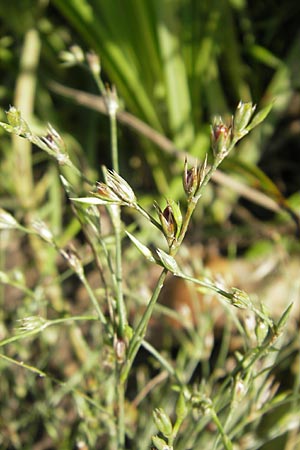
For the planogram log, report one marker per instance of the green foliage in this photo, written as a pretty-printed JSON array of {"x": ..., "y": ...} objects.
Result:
[
  {"x": 213, "y": 400},
  {"x": 88, "y": 353}
]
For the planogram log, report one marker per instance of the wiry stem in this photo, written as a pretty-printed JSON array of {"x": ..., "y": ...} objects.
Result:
[
  {"x": 115, "y": 213},
  {"x": 139, "y": 333}
]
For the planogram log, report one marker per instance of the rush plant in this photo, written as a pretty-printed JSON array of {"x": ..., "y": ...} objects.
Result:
[{"x": 220, "y": 410}]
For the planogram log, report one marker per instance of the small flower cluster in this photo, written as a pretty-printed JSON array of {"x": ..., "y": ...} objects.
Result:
[
  {"x": 171, "y": 221},
  {"x": 55, "y": 143},
  {"x": 42, "y": 230},
  {"x": 73, "y": 56},
  {"x": 52, "y": 143},
  {"x": 73, "y": 261},
  {"x": 17, "y": 122},
  {"x": 111, "y": 100},
  {"x": 221, "y": 139},
  {"x": 225, "y": 136},
  {"x": 76, "y": 56},
  {"x": 193, "y": 179},
  {"x": 7, "y": 221},
  {"x": 116, "y": 190},
  {"x": 165, "y": 426}
]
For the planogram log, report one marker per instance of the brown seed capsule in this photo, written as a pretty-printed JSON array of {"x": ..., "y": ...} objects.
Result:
[
  {"x": 191, "y": 180},
  {"x": 220, "y": 138},
  {"x": 168, "y": 223}
]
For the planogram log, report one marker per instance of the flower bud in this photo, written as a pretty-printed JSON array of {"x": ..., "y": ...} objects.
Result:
[
  {"x": 72, "y": 57},
  {"x": 202, "y": 403},
  {"x": 220, "y": 139},
  {"x": 206, "y": 406},
  {"x": 120, "y": 187},
  {"x": 78, "y": 53},
  {"x": 242, "y": 117},
  {"x": 42, "y": 230},
  {"x": 163, "y": 422},
  {"x": 16, "y": 120},
  {"x": 7, "y": 220},
  {"x": 93, "y": 61},
  {"x": 120, "y": 350},
  {"x": 67, "y": 58},
  {"x": 160, "y": 444},
  {"x": 32, "y": 323},
  {"x": 240, "y": 299},
  {"x": 240, "y": 389},
  {"x": 74, "y": 262},
  {"x": 261, "y": 331},
  {"x": 111, "y": 100},
  {"x": 170, "y": 220},
  {"x": 55, "y": 143},
  {"x": 193, "y": 178}
]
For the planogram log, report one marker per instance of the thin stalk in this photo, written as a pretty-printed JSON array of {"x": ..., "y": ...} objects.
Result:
[
  {"x": 114, "y": 142},
  {"x": 121, "y": 411},
  {"x": 116, "y": 219},
  {"x": 115, "y": 214},
  {"x": 140, "y": 331},
  {"x": 41, "y": 324},
  {"x": 99, "y": 83},
  {"x": 93, "y": 299},
  {"x": 192, "y": 203},
  {"x": 225, "y": 439},
  {"x": 190, "y": 209},
  {"x": 111, "y": 106}
]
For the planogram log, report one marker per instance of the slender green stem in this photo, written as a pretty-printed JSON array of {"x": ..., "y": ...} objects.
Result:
[
  {"x": 121, "y": 411},
  {"x": 192, "y": 203},
  {"x": 190, "y": 209},
  {"x": 115, "y": 215},
  {"x": 99, "y": 82},
  {"x": 225, "y": 439},
  {"x": 41, "y": 324},
  {"x": 114, "y": 211},
  {"x": 122, "y": 316},
  {"x": 114, "y": 142},
  {"x": 93, "y": 299},
  {"x": 122, "y": 320},
  {"x": 140, "y": 331}
]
